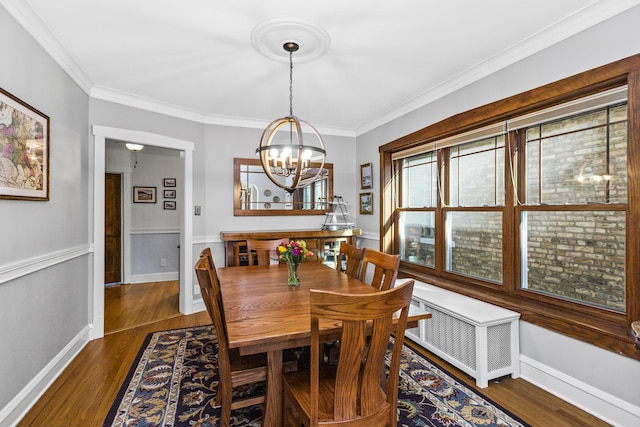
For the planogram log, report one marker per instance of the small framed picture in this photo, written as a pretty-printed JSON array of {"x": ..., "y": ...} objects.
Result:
[
  {"x": 169, "y": 194},
  {"x": 169, "y": 182},
  {"x": 366, "y": 180},
  {"x": 144, "y": 194},
  {"x": 366, "y": 203},
  {"x": 170, "y": 205}
]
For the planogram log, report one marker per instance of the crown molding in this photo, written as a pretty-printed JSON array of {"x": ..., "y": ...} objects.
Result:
[
  {"x": 135, "y": 101},
  {"x": 592, "y": 14},
  {"x": 589, "y": 16}
]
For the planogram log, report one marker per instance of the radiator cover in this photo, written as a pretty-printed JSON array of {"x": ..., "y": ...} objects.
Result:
[{"x": 478, "y": 338}]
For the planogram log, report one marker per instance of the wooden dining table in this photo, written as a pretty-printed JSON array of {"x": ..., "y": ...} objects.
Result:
[{"x": 264, "y": 314}]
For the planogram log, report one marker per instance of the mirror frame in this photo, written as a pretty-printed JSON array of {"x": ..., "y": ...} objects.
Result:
[{"x": 237, "y": 211}]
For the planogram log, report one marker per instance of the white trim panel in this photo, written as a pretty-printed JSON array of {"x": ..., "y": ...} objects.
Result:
[{"x": 16, "y": 270}]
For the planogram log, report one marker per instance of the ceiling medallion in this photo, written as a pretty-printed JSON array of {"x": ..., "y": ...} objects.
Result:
[{"x": 269, "y": 37}]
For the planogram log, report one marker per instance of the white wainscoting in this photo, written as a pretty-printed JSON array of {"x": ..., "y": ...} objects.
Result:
[{"x": 18, "y": 407}]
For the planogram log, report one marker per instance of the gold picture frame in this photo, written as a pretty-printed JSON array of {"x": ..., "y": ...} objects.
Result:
[
  {"x": 366, "y": 203},
  {"x": 366, "y": 177}
]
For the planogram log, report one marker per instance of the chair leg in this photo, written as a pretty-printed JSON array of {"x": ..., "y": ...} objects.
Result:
[
  {"x": 290, "y": 418},
  {"x": 224, "y": 391},
  {"x": 225, "y": 415}
]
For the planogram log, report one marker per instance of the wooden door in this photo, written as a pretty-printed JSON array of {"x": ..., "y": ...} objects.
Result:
[{"x": 112, "y": 228}]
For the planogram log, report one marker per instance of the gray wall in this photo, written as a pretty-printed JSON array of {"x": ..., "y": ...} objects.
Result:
[
  {"x": 562, "y": 364},
  {"x": 44, "y": 251}
]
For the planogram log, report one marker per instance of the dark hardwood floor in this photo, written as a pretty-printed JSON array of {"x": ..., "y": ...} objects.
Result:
[{"x": 84, "y": 392}]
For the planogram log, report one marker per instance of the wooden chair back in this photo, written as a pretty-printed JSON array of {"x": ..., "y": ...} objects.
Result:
[
  {"x": 385, "y": 270},
  {"x": 234, "y": 370},
  {"x": 353, "y": 256},
  {"x": 266, "y": 251},
  {"x": 354, "y": 390},
  {"x": 210, "y": 290}
]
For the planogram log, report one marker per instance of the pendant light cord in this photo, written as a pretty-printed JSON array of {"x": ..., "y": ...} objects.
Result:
[{"x": 291, "y": 83}]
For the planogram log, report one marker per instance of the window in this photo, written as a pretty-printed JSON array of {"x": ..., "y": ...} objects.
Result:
[
  {"x": 572, "y": 243},
  {"x": 473, "y": 236},
  {"x": 530, "y": 203},
  {"x": 417, "y": 208},
  {"x": 573, "y": 247}
]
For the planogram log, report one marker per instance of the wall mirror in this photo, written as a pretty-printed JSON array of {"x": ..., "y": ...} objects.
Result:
[{"x": 255, "y": 195}]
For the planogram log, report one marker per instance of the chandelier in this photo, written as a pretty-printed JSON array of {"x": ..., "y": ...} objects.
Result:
[{"x": 288, "y": 160}]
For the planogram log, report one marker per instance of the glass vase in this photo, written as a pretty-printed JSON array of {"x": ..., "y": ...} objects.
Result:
[{"x": 293, "y": 279}]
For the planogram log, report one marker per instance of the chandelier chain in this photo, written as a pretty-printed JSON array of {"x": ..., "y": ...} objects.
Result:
[{"x": 291, "y": 83}]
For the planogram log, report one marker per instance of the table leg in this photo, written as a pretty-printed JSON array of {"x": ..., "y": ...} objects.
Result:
[{"x": 273, "y": 402}]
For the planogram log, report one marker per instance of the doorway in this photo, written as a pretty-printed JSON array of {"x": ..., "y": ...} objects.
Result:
[
  {"x": 186, "y": 148},
  {"x": 139, "y": 238}
]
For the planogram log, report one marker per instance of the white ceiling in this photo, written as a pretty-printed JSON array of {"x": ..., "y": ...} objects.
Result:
[{"x": 194, "y": 58}]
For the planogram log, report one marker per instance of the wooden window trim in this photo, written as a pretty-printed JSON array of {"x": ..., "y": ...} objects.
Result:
[{"x": 603, "y": 328}]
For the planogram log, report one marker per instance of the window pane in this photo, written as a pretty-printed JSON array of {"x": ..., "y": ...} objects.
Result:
[
  {"x": 578, "y": 160},
  {"x": 419, "y": 185},
  {"x": 576, "y": 255},
  {"x": 618, "y": 163},
  {"x": 417, "y": 237},
  {"x": 474, "y": 244},
  {"x": 476, "y": 174}
]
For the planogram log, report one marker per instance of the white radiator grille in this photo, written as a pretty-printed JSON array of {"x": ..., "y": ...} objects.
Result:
[
  {"x": 457, "y": 339},
  {"x": 499, "y": 346},
  {"x": 452, "y": 336}
]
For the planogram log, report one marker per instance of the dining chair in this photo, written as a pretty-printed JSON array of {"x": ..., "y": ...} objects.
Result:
[
  {"x": 353, "y": 259},
  {"x": 266, "y": 251},
  {"x": 385, "y": 270},
  {"x": 351, "y": 392},
  {"x": 233, "y": 370}
]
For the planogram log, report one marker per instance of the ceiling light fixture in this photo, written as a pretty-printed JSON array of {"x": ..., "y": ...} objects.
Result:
[
  {"x": 134, "y": 147},
  {"x": 284, "y": 156}
]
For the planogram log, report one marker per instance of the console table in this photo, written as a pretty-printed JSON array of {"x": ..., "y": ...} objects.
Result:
[{"x": 320, "y": 242}]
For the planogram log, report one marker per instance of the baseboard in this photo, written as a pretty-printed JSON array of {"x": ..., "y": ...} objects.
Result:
[
  {"x": 16, "y": 409},
  {"x": 198, "y": 305},
  {"x": 603, "y": 405},
  {"x": 367, "y": 235},
  {"x": 154, "y": 277}
]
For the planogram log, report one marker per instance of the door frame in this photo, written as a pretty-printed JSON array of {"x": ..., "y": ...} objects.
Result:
[{"x": 186, "y": 148}]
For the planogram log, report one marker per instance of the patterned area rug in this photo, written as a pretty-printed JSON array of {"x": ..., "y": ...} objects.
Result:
[{"x": 173, "y": 383}]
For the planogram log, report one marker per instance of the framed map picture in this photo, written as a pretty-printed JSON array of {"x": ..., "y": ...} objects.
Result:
[{"x": 24, "y": 150}]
